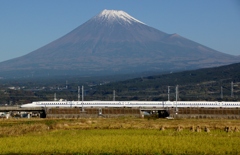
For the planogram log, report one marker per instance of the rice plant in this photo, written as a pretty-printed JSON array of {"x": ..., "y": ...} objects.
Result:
[{"x": 119, "y": 136}]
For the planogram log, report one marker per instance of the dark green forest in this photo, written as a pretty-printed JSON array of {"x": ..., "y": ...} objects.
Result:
[{"x": 202, "y": 84}]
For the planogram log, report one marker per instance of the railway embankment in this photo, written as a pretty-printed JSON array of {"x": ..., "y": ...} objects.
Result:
[
  {"x": 226, "y": 113},
  {"x": 108, "y": 112}
]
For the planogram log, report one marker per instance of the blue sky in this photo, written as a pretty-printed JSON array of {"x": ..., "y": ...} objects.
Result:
[{"x": 26, "y": 25}]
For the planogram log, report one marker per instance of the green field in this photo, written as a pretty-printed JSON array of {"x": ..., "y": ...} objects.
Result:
[{"x": 119, "y": 136}]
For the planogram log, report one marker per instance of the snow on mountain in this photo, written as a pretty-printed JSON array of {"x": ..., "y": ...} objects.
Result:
[{"x": 116, "y": 15}]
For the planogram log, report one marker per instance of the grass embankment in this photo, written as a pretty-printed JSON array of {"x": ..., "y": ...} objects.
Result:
[{"x": 119, "y": 136}]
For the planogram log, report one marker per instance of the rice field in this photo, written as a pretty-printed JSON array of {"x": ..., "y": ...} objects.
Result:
[{"x": 119, "y": 136}]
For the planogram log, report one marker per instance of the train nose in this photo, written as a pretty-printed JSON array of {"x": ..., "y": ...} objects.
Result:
[{"x": 26, "y": 105}]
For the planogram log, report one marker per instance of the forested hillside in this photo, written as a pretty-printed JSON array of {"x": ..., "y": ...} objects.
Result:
[{"x": 202, "y": 84}]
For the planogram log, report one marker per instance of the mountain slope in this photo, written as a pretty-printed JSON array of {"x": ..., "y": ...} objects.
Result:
[
  {"x": 114, "y": 42},
  {"x": 201, "y": 84}
]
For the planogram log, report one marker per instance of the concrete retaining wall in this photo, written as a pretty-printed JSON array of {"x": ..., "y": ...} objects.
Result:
[{"x": 91, "y": 112}]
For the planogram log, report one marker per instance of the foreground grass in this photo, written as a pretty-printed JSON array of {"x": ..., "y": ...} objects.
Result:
[{"x": 117, "y": 136}]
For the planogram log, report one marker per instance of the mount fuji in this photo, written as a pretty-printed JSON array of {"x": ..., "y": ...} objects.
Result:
[{"x": 114, "y": 42}]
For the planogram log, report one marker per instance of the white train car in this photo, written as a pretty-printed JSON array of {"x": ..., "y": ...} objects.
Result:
[{"x": 149, "y": 104}]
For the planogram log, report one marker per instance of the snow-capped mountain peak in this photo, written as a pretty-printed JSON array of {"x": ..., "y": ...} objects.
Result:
[{"x": 116, "y": 15}]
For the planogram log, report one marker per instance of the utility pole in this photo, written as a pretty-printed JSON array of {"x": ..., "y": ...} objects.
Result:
[
  {"x": 82, "y": 98},
  {"x": 221, "y": 92},
  {"x": 78, "y": 93},
  {"x": 113, "y": 95},
  {"x": 55, "y": 97},
  {"x": 232, "y": 95},
  {"x": 168, "y": 93},
  {"x": 82, "y": 93},
  {"x": 176, "y": 109}
]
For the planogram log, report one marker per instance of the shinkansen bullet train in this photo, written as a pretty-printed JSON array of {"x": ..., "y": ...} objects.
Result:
[{"x": 148, "y": 104}]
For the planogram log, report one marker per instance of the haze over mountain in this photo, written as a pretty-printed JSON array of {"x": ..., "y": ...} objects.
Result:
[{"x": 114, "y": 42}]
